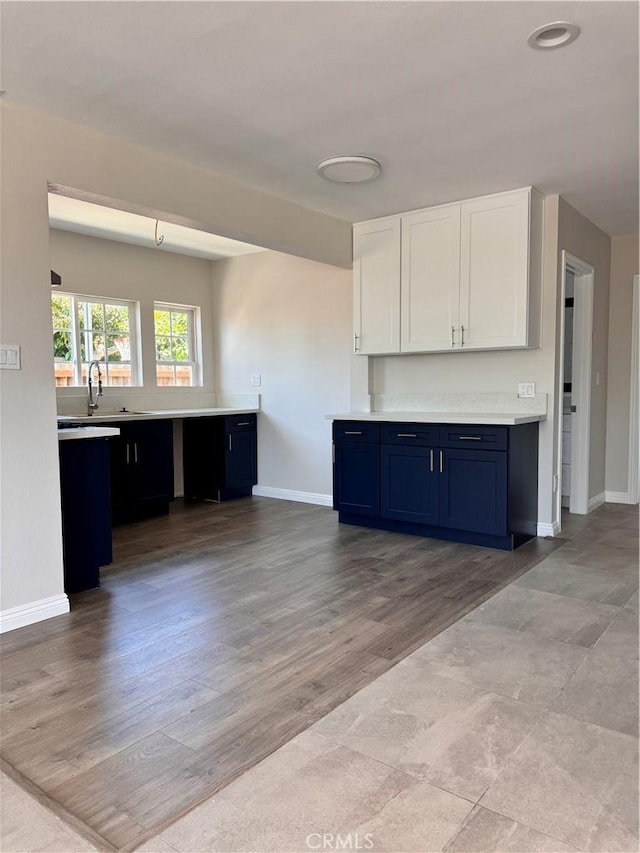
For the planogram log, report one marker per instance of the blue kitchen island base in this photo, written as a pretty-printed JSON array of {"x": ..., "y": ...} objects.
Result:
[{"x": 476, "y": 484}]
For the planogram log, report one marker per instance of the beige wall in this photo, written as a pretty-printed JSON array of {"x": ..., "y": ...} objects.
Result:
[
  {"x": 624, "y": 265},
  {"x": 100, "y": 267},
  {"x": 289, "y": 320},
  {"x": 36, "y": 148},
  {"x": 581, "y": 238}
]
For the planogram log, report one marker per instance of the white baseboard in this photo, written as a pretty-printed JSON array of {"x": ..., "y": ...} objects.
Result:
[
  {"x": 595, "y": 502},
  {"x": 617, "y": 497},
  {"x": 546, "y": 529},
  {"x": 292, "y": 495},
  {"x": 35, "y": 611}
]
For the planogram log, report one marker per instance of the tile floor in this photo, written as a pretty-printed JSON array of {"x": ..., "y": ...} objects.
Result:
[{"x": 516, "y": 729}]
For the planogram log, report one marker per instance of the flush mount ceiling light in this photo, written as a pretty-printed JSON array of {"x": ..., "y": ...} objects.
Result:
[
  {"x": 349, "y": 170},
  {"x": 553, "y": 35}
]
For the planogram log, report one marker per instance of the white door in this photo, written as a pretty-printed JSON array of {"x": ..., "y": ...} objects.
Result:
[
  {"x": 494, "y": 271},
  {"x": 376, "y": 286},
  {"x": 430, "y": 281}
]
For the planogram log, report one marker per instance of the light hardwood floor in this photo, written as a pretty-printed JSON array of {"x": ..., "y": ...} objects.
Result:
[{"x": 219, "y": 633}]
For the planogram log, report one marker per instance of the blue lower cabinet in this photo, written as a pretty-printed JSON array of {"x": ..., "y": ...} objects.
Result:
[
  {"x": 220, "y": 457},
  {"x": 356, "y": 478},
  {"x": 473, "y": 484},
  {"x": 240, "y": 460},
  {"x": 141, "y": 470},
  {"x": 473, "y": 491},
  {"x": 409, "y": 484},
  {"x": 86, "y": 511}
]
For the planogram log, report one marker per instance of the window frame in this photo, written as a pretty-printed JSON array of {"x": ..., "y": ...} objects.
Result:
[
  {"x": 135, "y": 361},
  {"x": 193, "y": 342}
]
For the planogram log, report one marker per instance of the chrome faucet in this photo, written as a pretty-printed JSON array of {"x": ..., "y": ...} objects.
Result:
[{"x": 91, "y": 403}]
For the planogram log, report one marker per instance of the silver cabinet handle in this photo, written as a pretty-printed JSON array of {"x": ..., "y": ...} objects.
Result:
[
  {"x": 127, "y": 453},
  {"x": 462, "y": 336},
  {"x": 431, "y": 460},
  {"x": 230, "y": 447},
  {"x": 470, "y": 437},
  {"x": 135, "y": 452},
  {"x": 453, "y": 336},
  {"x": 243, "y": 423},
  {"x": 355, "y": 342},
  {"x": 441, "y": 461},
  {"x": 353, "y": 432},
  {"x": 406, "y": 435}
]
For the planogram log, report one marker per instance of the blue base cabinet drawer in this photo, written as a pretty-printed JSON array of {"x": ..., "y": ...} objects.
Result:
[
  {"x": 479, "y": 438},
  {"x": 474, "y": 484},
  {"x": 409, "y": 435},
  {"x": 350, "y": 431}
]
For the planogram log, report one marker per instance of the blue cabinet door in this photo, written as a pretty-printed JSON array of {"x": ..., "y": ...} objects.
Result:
[
  {"x": 408, "y": 484},
  {"x": 473, "y": 491},
  {"x": 151, "y": 462},
  {"x": 141, "y": 469},
  {"x": 240, "y": 462},
  {"x": 356, "y": 480}
]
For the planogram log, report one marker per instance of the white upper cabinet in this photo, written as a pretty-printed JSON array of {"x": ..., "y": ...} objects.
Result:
[
  {"x": 494, "y": 271},
  {"x": 376, "y": 291},
  {"x": 430, "y": 279},
  {"x": 464, "y": 276}
]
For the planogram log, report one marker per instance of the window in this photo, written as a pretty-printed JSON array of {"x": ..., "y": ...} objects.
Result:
[
  {"x": 87, "y": 328},
  {"x": 177, "y": 361}
]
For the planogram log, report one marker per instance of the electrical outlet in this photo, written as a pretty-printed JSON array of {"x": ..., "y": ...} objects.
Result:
[
  {"x": 555, "y": 482},
  {"x": 256, "y": 380},
  {"x": 526, "y": 389}
]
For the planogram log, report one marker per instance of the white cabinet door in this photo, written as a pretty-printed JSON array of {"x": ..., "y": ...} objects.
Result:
[
  {"x": 494, "y": 271},
  {"x": 376, "y": 286},
  {"x": 429, "y": 290}
]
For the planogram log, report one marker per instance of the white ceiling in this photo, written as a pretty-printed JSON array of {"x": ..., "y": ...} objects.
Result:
[
  {"x": 446, "y": 95},
  {"x": 72, "y": 214}
]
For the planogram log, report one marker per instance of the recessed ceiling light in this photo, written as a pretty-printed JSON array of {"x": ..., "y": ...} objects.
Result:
[
  {"x": 349, "y": 170},
  {"x": 553, "y": 35}
]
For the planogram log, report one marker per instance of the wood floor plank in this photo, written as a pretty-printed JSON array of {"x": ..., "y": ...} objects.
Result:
[
  {"x": 220, "y": 632},
  {"x": 83, "y": 750}
]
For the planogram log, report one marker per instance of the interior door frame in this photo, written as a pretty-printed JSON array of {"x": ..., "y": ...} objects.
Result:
[
  {"x": 634, "y": 414},
  {"x": 581, "y": 384}
]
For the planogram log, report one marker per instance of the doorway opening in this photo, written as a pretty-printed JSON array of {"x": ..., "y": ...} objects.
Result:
[{"x": 575, "y": 385}]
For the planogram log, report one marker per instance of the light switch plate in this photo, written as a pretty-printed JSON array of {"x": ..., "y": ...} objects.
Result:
[
  {"x": 526, "y": 389},
  {"x": 256, "y": 380},
  {"x": 9, "y": 357}
]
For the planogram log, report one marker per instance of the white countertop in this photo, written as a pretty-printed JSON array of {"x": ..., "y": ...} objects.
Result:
[
  {"x": 75, "y": 433},
  {"x": 156, "y": 414},
  {"x": 487, "y": 418}
]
